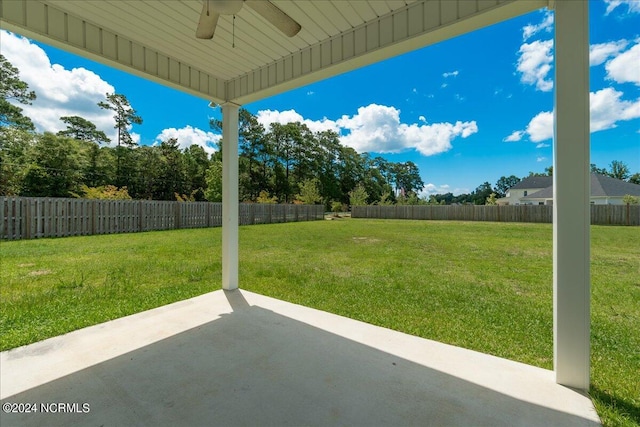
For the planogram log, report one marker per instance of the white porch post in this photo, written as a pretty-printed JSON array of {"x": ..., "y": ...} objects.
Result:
[
  {"x": 571, "y": 182},
  {"x": 230, "y": 196}
]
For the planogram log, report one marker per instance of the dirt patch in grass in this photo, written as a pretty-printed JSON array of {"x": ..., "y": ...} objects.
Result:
[
  {"x": 39, "y": 272},
  {"x": 365, "y": 240}
]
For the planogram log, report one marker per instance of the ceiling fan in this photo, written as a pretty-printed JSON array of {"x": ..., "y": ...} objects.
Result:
[{"x": 212, "y": 9}]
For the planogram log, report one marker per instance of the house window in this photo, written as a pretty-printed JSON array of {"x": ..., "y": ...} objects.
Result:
[{"x": 525, "y": 193}]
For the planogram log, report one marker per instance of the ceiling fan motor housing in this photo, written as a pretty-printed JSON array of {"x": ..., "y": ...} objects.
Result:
[{"x": 226, "y": 7}]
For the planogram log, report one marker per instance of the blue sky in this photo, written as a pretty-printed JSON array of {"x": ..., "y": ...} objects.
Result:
[{"x": 466, "y": 111}]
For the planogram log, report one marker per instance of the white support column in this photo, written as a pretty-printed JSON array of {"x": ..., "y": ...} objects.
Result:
[
  {"x": 571, "y": 188},
  {"x": 230, "y": 196}
]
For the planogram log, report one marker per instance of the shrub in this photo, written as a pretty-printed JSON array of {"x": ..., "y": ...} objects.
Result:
[
  {"x": 106, "y": 192},
  {"x": 265, "y": 197}
]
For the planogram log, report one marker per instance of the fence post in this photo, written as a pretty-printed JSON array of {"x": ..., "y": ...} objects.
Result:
[
  {"x": 92, "y": 216},
  {"x": 176, "y": 222},
  {"x": 27, "y": 218}
]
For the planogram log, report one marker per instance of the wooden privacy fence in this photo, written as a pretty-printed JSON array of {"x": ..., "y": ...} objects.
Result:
[
  {"x": 600, "y": 214},
  {"x": 35, "y": 217}
]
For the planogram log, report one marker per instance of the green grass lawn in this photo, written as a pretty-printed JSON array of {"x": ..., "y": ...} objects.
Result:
[{"x": 483, "y": 286}]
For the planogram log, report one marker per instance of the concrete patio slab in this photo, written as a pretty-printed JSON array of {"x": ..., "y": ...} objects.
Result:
[{"x": 238, "y": 358}]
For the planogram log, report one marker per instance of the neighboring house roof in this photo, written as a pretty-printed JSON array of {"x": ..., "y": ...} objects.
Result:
[
  {"x": 606, "y": 186},
  {"x": 601, "y": 186},
  {"x": 546, "y": 193},
  {"x": 533, "y": 182}
]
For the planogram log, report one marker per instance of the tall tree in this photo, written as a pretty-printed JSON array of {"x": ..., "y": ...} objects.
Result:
[
  {"x": 326, "y": 155},
  {"x": 171, "y": 178},
  {"x": 407, "y": 178},
  {"x": 481, "y": 193},
  {"x": 148, "y": 161},
  {"x": 213, "y": 193},
  {"x": 196, "y": 163},
  {"x": 374, "y": 181},
  {"x": 125, "y": 116},
  {"x": 351, "y": 171},
  {"x": 596, "y": 169},
  {"x": 619, "y": 170},
  {"x": 16, "y": 147},
  {"x": 505, "y": 183},
  {"x": 13, "y": 89},
  {"x": 255, "y": 154},
  {"x": 284, "y": 139},
  {"x": 83, "y": 130},
  {"x": 55, "y": 169}
]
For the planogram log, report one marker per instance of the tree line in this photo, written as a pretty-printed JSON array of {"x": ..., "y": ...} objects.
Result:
[{"x": 286, "y": 163}]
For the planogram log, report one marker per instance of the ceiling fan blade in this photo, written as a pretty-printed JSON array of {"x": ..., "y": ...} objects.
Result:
[
  {"x": 207, "y": 23},
  {"x": 275, "y": 16}
]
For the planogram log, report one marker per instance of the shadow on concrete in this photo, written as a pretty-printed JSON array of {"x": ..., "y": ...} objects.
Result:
[{"x": 255, "y": 367}]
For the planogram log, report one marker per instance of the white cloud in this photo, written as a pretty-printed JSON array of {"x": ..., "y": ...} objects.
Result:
[
  {"x": 60, "y": 92},
  {"x": 135, "y": 137},
  {"x": 626, "y": 66},
  {"x": 599, "y": 53},
  {"x": 430, "y": 189},
  {"x": 451, "y": 74},
  {"x": 543, "y": 145},
  {"x": 540, "y": 128},
  {"x": 607, "y": 108},
  {"x": 633, "y": 5},
  {"x": 534, "y": 64},
  {"x": 188, "y": 135},
  {"x": 377, "y": 128},
  {"x": 267, "y": 117},
  {"x": 546, "y": 25},
  {"x": 515, "y": 136},
  {"x": 541, "y": 159}
]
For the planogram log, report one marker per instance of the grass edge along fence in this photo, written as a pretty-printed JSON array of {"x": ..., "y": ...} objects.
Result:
[
  {"x": 600, "y": 214},
  {"x": 38, "y": 217}
]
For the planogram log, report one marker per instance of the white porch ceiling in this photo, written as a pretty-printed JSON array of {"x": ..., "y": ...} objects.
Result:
[{"x": 156, "y": 39}]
